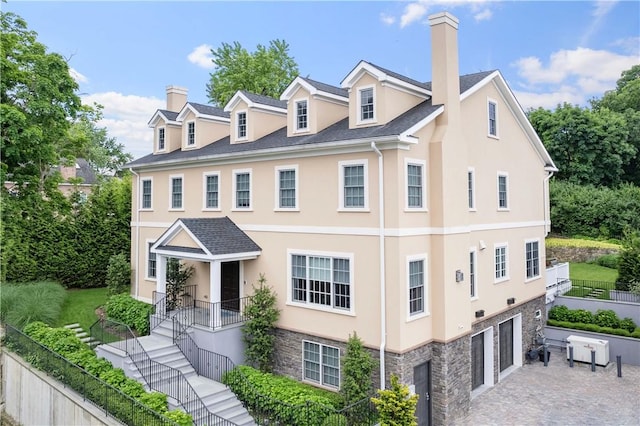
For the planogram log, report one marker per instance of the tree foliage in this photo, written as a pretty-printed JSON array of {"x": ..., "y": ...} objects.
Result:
[
  {"x": 629, "y": 262},
  {"x": 176, "y": 279},
  {"x": 396, "y": 406},
  {"x": 357, "y": 368},
  {"x": 267, "y": 71},
  {"x": 37, "y": 103},
  {"x": 258, "y": 331}
]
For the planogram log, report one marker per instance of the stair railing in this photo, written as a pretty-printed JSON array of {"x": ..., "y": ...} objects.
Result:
[{"x": 157, "y": 376}]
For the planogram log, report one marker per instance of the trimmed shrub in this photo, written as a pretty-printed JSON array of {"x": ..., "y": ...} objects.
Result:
[
  {"x": 606, "y": 318},
  {"x": 132, "y": 312},
  {"x": 627, "y": 324},
  {"x": 559, "y": 313},
  {"x": 593, "y": 328},
  {"x": 581, "y": 315},
  {"x": 396, "y": 406},
  {"x": 118, "y": 274},
  {"x": 608, "y": 261},
  {"x": 30, "y": 302}
]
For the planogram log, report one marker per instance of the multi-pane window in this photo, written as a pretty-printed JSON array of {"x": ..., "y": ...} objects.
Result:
[
  {"x": 354, "y": 186},
  {"x": 191, "y": 133},
  {"x": 501, "y": 262},
  {"x": 242, "y": 125},
  {"x": 151, "y": 262},
  {"x": 176, "y": 192},
  {"x": 146, "y": 193},
  {"x": 416, "y": 287},
  {"x": 243, "y": 190},
  {"x": 366, "y": 104},
  {"x": 302, "y": 121},
  {"x": 287, "y": 188},
  {"x": 502, "y": 192},
  {"x": 321, "y": 280},
  {"x": 471, "y": 189},
  {"x": 321, "y": 364},
  {"x": 532, "y": 256},
  {"x": 161, "y": 139},
  {"x": 493, "y": 123},
  {"x": 472, "y": 274},
  {"x": 414, "y": 186},
  {"x": 211, "y": 192}
]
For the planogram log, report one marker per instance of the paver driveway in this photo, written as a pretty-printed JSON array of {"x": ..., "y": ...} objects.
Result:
[{"x": 559, "y": 395}]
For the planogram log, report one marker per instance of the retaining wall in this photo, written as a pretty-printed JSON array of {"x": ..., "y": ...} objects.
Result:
[{"x": 32, "y": 398}]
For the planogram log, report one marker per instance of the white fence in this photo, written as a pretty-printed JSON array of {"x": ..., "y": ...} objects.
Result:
[{"x": 558, "y": 282}]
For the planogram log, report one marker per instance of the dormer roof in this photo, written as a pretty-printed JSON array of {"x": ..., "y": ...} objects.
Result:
[
  {"x": 169, "y": 117},
  {"x": 386, "y": 76},
  {"x": 203, "y": 111},
  {"x": 315, "y": 88},
  {"x": 256, "y": 101}
]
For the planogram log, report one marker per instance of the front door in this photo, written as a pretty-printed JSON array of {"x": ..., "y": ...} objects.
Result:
[
  {"x": 422, "y": 381},
  {"x": 230, "y": 281},
  {"x": 506, "y": 344},
  {"x": 477, "y": 361}
]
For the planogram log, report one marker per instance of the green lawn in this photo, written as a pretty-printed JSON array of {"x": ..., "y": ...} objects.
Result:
[
  {"x": 80, "y": 306},
  {"x": 592, "y": 272}
]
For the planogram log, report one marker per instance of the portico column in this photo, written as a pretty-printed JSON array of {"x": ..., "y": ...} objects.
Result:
[
  {"x": 161, "y": 274},
  {"x": 214, "y": 291}
]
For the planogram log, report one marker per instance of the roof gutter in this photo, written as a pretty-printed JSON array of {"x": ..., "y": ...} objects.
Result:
[
  {"x": 137, "y": 233},
  {"x": 546, "y": 199},
  {"x": 383, "y": 299}
]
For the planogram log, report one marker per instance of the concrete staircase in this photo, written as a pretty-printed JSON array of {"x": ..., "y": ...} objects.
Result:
[
  {"x": 218, "y": 398},
  {"x": 82, "y": 335}
]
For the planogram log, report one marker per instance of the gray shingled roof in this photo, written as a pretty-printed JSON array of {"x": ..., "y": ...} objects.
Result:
[
  {"x": 85, "y": 172},
  {"x": 209, "y": 110},
  {"x": 171, "y": 115},
  {"x": 264, "y": 100},
  {"x": 339, "y": 131},
  {"x": 400, "y": 76},
  {"x": 220, "y": 236},
  {"x": 327, "y": 87}
]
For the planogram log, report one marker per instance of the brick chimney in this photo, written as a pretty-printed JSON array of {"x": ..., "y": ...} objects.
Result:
[
  {"x": 176, "y": 98},
  {"x": 445, "y": 74}
]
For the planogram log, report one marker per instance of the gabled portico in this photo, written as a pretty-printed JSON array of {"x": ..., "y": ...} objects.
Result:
[{"x": 216, "y": 242}]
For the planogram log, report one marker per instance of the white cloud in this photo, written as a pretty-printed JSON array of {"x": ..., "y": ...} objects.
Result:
[
  {"x": 600, "y": 10},
  {"x": 548, "y": 100},
  {"x": 79, "y": 78},
  {"x": 412, "y": 12},
  {"x": 387, "y": 19},
  {"x": 202, "y": 57},
  {"x": 631, "y": 45},
  {"x": 126, "y": 118},
  {"x": 485, "y": 15}
]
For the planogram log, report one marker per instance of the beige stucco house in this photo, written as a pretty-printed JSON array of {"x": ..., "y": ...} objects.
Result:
[{"x": 411, "y": 213}]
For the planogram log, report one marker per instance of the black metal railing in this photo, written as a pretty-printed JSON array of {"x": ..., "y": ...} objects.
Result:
[
  {"x": 603, "y": 290},
  {"x": 112, "y": 401},
  {"x": 159, "y": 377}
]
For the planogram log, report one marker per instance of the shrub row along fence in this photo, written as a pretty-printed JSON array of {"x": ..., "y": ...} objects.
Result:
[
  {"x": 601, "y": 290},
  {"x": 99, "y": 393}
]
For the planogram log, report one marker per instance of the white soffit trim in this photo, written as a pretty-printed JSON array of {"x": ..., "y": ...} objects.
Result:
[
  {"x": 313, "y": 91},
  {"x": 174, "y": 230},
  {"x": 363, "y": 66},
  {"x": 159, "y": 115},
  {"x": 239, "y": 96},
  {"x": 420, "y": 124},
  {"x": 188, "y": 107}
]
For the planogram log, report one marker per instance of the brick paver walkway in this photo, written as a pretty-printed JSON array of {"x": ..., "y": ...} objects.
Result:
[{"x": 559, "y": 395}]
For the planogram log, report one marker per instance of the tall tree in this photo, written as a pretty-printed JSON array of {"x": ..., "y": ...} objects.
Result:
[
  {"x": 267, "y": 71},
  {"x": 37, "y": 101}
]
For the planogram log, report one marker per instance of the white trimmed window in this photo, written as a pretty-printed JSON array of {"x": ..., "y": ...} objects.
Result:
[
  {"x": 366, "y": 104},
  {"x": 501, "y": 263},
  {"x": 503, "y": 191},
  {"x": 146, "y": 193},
  {"x": 191, "y": 133},
  {"x": 532, "y": 256},
  {"x": 471, "y": 188},
  {"x": 492, "y": 113},
  {"x": 321, "y": 364},
  {"x": 321, "y": 280},
  {"x": 416, "y": 184},
  {"x": 212, "y": 191},
  {"x": 473, "y": 273},
  {"x": 241, "y": 125},
  {"x": 416, "y": 280},
  {"x": 242, "y": 189},
  {"x": 177, "y": 190},
  {"x": 161, "y": 140},
  {"x": 301, "y": 115},
  {"x": 287, "y": 188},
  {"x": 151, "y": 262},
  {"x": 353, "y": 190}
]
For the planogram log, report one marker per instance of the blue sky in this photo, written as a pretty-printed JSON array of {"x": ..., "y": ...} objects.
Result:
[{"x": 124, "y": 54}]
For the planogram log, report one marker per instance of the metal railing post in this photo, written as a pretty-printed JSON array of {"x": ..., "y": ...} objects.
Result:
[
  {"x": 571, "y": 356},
  {"x": 593, "y": 360},
  {"x": 619, "y": 364}
]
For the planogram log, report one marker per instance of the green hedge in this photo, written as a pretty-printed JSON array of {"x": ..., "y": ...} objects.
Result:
[
  {"x": 604, "y": 321},
  {"x": 129, "y": 311},
  {"x": 64, "y": 342},
  {"x": 595, "y": 328},
  {"x": 280, "y": 398}
]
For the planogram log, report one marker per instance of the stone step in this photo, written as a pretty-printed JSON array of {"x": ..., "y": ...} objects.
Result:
[{"x": 74, "y": 325}]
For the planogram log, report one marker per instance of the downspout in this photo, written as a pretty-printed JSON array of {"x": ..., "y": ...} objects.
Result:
[
  {"x": 383, "y": 303},
  {"x": 547, "y": 207},
  {"x": 137, "y": 204}
]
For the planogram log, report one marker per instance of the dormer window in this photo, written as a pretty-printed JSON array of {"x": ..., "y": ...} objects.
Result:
[
  {"x": 366, "y": 99},
  {"x": 161, "y": 139},
  {"x": 191, "y": 133},
  {"x": 242, "y": 125},
  {"x": 302, "y": 122}
]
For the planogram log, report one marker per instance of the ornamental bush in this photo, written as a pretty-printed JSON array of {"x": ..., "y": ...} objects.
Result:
[
  {"x": 23, "y": 303},
  {"x": 396, "y": 406},
  {"x": 606, "y": 318},
  {"x": 132, "y": 312},
  {"x": 118, "y": 274}
]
